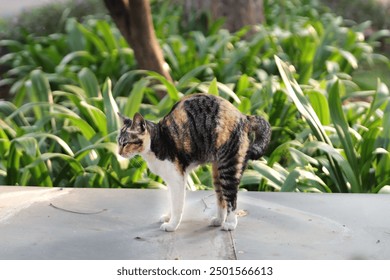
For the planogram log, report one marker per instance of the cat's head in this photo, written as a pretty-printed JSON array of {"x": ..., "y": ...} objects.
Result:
[{"x": 134, "y": 137}]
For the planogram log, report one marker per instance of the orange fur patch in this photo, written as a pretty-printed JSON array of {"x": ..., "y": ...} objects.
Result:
[{"x": 228, "y": 118}]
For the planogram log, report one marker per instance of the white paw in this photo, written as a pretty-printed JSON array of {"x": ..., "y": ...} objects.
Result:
[
  {"x": 168, "y": 227},
  {"x": 165, "y": 218},
  {"x": 216, "y": 222},
  {"x": 229, "y": 226}
]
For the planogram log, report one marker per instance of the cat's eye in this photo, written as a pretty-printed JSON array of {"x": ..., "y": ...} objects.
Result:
[
  {"x": 133, "y": 142},
  {"x": 136, "y": 142},
  {"x": 124, "y": 144}
]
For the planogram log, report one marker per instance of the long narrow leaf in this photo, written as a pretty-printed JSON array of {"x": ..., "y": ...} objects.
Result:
[
  {"x": 171, "y": 89},
  {"x": 111, "y": 110},
  {"x": 345, "y": 138},
  {"x": 89, "y": 83},
  {"x": 135, "y": 98},
  {"x": 305, "y": 108}
]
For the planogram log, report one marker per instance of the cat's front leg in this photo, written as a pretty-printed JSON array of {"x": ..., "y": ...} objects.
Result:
[
  {"x": 176, "y": 185},
  {"x": 167, "y": 216}
]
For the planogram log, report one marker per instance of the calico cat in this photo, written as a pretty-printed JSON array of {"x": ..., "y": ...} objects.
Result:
[{"x": 199, "y": 129}]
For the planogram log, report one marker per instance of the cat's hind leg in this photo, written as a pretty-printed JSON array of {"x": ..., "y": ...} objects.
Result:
[
  {"x": 227, "y": 174},
  {"x": 226, "y": 182},
  {"x": 220, "y": 217}
]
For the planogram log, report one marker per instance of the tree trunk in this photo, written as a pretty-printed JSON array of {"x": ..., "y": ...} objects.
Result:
[
  {"x": 237, "y": 13},
  {"x": 134, "y": 20}
]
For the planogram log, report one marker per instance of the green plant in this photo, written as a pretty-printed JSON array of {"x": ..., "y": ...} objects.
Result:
[
  {"x": 65, "y": 137},
  {"x": 337, "y": 158},
  {"x": 362, "y": 10},
  {"x": 95, "y": 44},
  {"x": 329, "y": 134}
]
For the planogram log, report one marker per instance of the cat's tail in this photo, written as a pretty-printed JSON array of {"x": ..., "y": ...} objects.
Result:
[{"x": 259, "y": 136}]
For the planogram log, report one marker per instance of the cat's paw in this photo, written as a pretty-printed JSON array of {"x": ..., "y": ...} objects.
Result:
[
  {"x": 168, "y": 227},
  {"x": 165, "y": 218},
  {"x": 228, "y": 226},
  {"x": 230, "y": 223},
  {"x": 216, "y": 222}
]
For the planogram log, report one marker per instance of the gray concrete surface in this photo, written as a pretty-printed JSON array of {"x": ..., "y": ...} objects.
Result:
[{"x": 52, "y": 223}]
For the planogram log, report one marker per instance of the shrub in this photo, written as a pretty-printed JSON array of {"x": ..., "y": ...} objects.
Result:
[{"x": 61, "y": 124}]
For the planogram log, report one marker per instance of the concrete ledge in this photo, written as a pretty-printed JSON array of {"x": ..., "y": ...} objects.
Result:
[{"x": 52, "y": 223}]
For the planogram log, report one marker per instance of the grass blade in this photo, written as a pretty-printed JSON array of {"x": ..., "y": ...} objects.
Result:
[
  {"x": 342, "y": 129},
  {"x": 111, "y": 110},
  {"x": 89, "y": 83},
  {"x": 305, "y": 108},
  {"x": 135, "y": 98}
]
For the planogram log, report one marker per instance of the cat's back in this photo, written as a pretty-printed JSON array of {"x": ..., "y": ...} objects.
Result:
[
  {"x": 201, "y": 123},
  {"x": 208, "y": 111}
]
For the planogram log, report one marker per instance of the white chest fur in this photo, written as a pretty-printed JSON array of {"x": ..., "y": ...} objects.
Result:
[{"x": 163, "y": 168}]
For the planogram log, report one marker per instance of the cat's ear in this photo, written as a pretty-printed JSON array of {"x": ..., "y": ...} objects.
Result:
[
  {"x": 125, "y": 120},
  {"x": 139, "y": 123}
]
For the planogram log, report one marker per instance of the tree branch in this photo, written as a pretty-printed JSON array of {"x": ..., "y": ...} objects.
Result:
[{"x": 134, "y": 20}]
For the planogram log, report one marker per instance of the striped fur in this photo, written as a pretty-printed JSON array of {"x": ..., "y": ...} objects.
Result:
[{"x": 199, "y": 129}]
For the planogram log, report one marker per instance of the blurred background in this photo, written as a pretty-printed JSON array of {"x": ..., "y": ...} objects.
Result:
[{"x": 67, "y": 67}]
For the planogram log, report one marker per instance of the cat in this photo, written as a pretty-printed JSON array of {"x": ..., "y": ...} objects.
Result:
[{"x": 200, "y": 128}]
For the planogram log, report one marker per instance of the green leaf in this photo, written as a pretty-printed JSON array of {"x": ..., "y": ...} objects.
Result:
[
  {"x": 242, "y": 84},
  {"x": 95, "y": 116},
  {"x": 171, "y": 89},
  {"x": 39, "y": 90},
  {"x": 290, "y": 184},
  {"x": 125, "y": 83},
  {"x": 86, "y": 130},
  {"x": 57, "y": 139},
  {"x": 383, "y": 168},
  {"x": 104, "y": 28},
  {"x": 76, "y": 90},
  {"x": 224, "y": 88},
  {"x": 251, "y": 177},
  {"x": 342, "y": 129},
  {"x": 304, "y": 107},
  {"x": 320, "y": 106},
  {"x": 213, "y": 87},
  {"x": 192, "y": 74},
  {"x": 23, "y": 151},
  {"x": 108, "y": 147},
  {"x": 135, "y": 98},
  {"x": 7, "y": 109},
  {"x": 41, "y": 86},
  {"x": 87, "y": 56},
  {"x": 76, "y": 167},
  {"x": 274, "y": 178},
  {"x": 89, "y": 83},
  {"x": 93, "y": 39},
  {"x": 13, "y": 164},
  {"x": 111, "y": 110},
  {"x": 301, "y": 102},
  {"x": 342, "y": 165}
]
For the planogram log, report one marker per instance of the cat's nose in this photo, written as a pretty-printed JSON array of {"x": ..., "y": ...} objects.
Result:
[{"x": 120, "y": 150}]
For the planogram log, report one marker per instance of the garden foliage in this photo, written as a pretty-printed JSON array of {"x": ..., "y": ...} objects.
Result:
[{"x": 329, "y": 135}]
